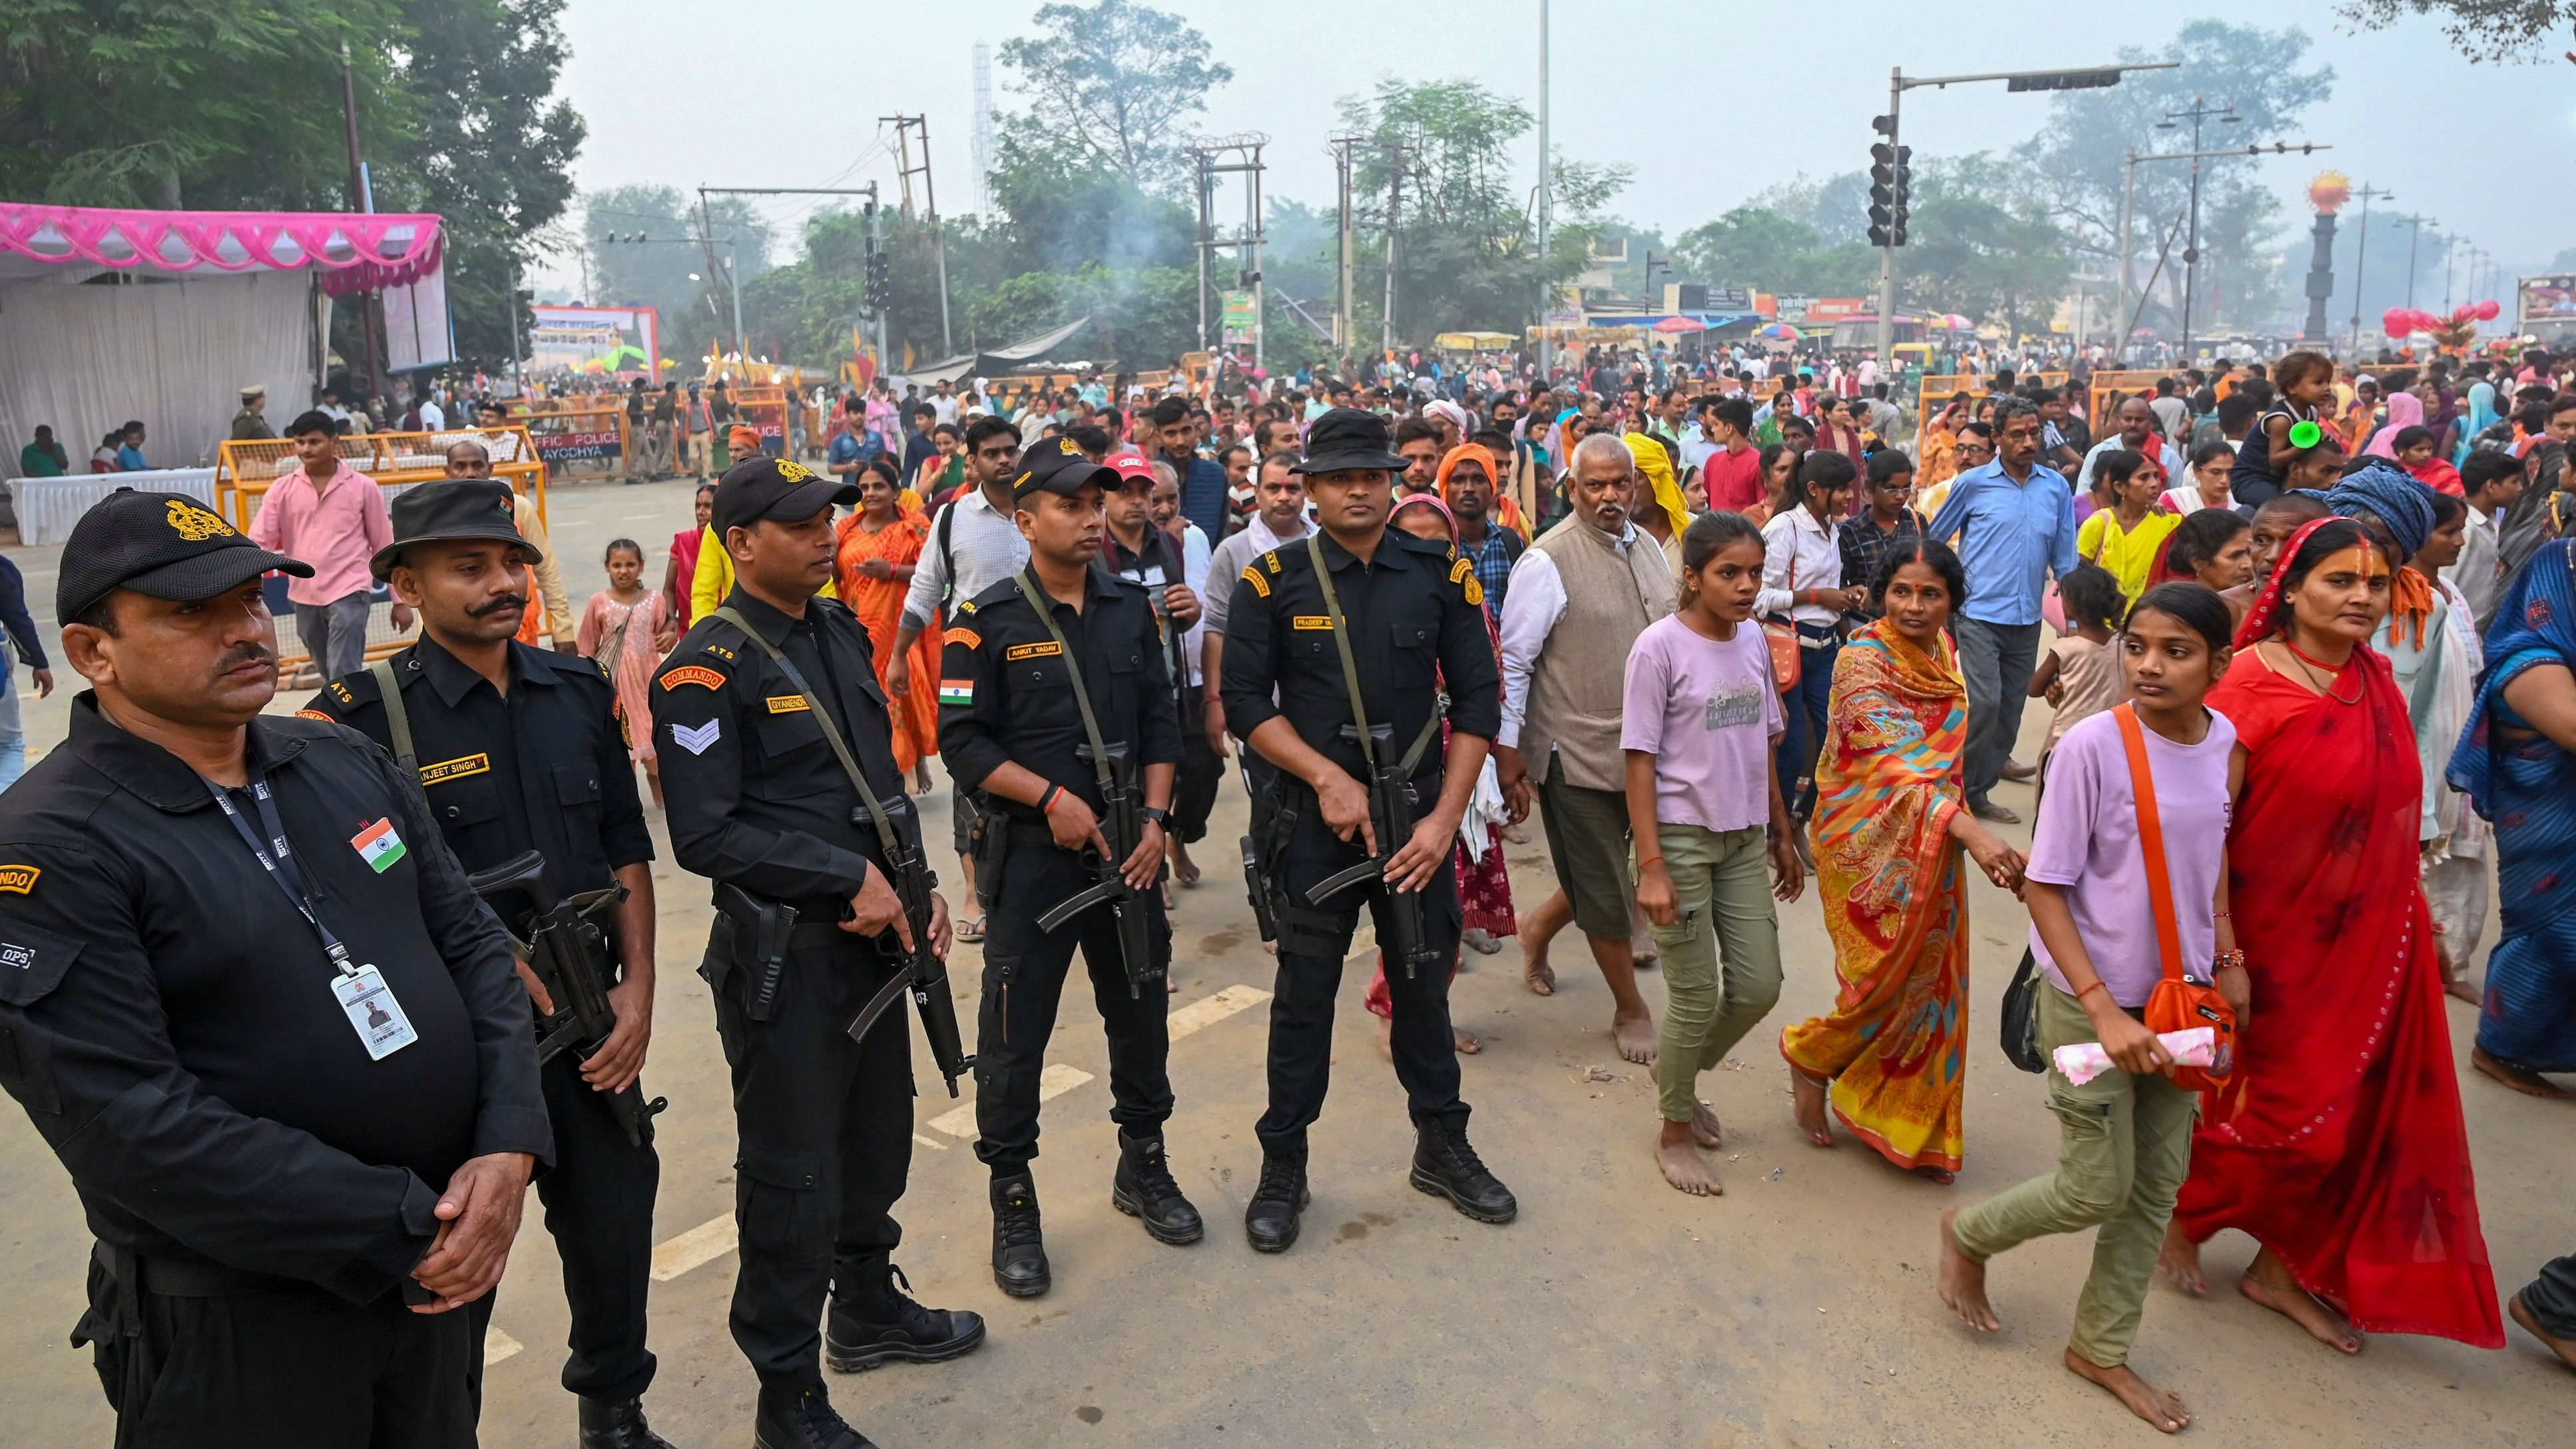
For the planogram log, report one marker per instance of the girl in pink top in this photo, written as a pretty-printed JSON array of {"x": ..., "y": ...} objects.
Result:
[{"x": 627, "y": 626}]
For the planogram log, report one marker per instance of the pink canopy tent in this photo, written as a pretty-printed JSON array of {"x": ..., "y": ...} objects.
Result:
[{"x": 108, "y": 314}]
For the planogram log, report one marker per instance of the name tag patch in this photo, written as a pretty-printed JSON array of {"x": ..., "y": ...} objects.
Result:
[
  {"x": 19, "y": 878},
  {"x": 456, "y": 769},
  {"x": 1312, "y": 621},
  {"x": 788, "y": 704},
  {"x": 378, "y": 846},
  {"x": 1018, "y": 652},
  {"x": 697, "y": 674}
]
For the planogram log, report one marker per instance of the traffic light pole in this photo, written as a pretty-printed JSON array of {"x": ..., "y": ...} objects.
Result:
[
  {"x": 1887, "y": 251},
  {"x": 2128, "y": 195},
  {"x": 2022, "y": 80}
]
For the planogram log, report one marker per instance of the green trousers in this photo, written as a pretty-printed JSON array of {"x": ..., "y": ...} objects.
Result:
[
  {"x": 1723, "y": 881},
  {"x": 2124, "y": 1146}
]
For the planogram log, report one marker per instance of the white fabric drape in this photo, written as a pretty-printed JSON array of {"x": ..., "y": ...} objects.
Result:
[{"x": 84, "y": 357}]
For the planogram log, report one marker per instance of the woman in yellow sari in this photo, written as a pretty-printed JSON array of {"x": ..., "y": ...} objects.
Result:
[
  {"x": 872, "y": 565},
  {"x": 1891, "y": 1057}
]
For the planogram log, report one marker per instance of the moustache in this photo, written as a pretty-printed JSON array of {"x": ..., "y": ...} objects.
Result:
[
  {"x": 501, "y": 605},
  {"x": 245, "y": 654}
]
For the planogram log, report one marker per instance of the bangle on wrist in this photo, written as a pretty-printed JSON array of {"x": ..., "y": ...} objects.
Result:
[
  {"x": 2227, "y": 958},
  {"x": 1650, "y": 860},
  {"x": 1046, "y": 802}
]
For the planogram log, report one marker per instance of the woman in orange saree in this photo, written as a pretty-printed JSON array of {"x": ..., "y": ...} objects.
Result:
[
  {"x": 873, "y": 564},
  {"x": 1891, "y": 1058}
]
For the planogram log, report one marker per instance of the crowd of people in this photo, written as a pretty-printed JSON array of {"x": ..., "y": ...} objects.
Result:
[{"x": 1725, "y": 627}]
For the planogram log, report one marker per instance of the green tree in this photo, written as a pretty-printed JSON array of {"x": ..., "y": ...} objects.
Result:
[
  {"x": 2075, "y": 166},
  {"x": 1759, "y": 249},
  {"x": 657, "y": 271},
  {"x": 1114, "y": 80},
  {"x": 1975, "y": 250},
  {"x": 2498, "y": 30}
]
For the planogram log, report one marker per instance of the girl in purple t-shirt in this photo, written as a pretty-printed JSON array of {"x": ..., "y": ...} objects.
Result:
[
  {"x": 2125, "y": 1136},
  {"x": 1700, "y": 719}
]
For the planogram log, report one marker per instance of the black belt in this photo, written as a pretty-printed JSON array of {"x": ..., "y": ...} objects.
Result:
[
  {"x": 194, "y": 1277},
  {"x": 804, "y": 935}
]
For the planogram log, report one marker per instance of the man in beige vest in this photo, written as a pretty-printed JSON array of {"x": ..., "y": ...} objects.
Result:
[{"x": 1578, "y": 599}]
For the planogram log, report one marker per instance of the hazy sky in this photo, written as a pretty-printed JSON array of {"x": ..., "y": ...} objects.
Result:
[{"x": 1669, "y": 87}]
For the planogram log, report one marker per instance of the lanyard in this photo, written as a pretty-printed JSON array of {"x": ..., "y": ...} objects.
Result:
[{"x": 281, "y": 867}]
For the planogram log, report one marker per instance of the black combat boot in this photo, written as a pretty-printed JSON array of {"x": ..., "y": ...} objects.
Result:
[
  {"x": 1144, "y": 1189},
  {"x": 1019, "y": 1245},
  {"x": 1444, "y": 1165},
  {"x": 617, "y": 1424},
  {"x": 1270, "y": 1219},
  {"x": 874, "y": 1322},
  {"x": 800, "y": 1417}
]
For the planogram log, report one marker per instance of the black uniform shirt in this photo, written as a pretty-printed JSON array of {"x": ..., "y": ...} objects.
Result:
[
  {"x": 543, "y": 769},
  {"x": 1006, "y": 695},
  {"x": 167, "y": 1018},
  {"x": 755, "y": 795},
  {"x": 1415, "y": 612}
]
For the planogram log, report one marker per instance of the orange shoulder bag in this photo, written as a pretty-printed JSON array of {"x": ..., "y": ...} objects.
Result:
[{"x": 2180, "y": 1000}]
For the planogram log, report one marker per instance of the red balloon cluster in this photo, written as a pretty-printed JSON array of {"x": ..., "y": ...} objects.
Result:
[{"x": 2403, "y": 322}]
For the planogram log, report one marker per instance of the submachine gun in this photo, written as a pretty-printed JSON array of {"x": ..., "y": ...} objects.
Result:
[
  {"x": 1392, "y": 814},
  {"x": 1122, "y": 824},
  {"x": 562, "y": 943}
]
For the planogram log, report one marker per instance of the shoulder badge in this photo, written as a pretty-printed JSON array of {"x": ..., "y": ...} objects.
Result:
[
  {"x": 1272, "y": 560},
  {"x": 721, "y": 652},
  {"x": 341, "y": 693},
  {"x": 697, "y": 674},
  {"x": 967, "y": 637},
  {"x": 1475, "y": 593},
  {"x": 1461, "y": 571},
  {"x": 20, "y": 879},
  {"x": 967, "y": 607},
  {"x": 1259, "y": 584},
  {"x": 325, "y": 717}
]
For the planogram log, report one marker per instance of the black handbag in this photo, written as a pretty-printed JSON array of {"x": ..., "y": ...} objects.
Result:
[{"x": 2021, "y": 1016}]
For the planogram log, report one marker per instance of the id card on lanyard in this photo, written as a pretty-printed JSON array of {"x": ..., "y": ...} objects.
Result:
[{"x": 359, "y": 989}]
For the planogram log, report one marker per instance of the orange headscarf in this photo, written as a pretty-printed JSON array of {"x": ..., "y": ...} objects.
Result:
[{"x": 1507, "y": 510}]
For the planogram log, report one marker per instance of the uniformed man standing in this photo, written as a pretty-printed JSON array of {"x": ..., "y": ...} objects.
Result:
[
  {"x": 249, "y": 425},
  {"x": 249, "y": 999},
  {"x": 1043, "y": 714},
  {"x": 762, "y": 801},
  {"x": 1348, "y": 626},
  {"x": 518, "y": 749}
]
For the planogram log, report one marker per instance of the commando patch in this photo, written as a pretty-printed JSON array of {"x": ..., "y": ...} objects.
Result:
[
  {"x": 1259, "y": 584},
  {"x": 322, "y": 715},
  {"x": 697, "y": 674},
  {"x": 967, "y": 637},
  {"x": 19, "y": 878}
]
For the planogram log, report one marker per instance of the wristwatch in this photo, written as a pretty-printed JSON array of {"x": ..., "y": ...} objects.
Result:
[{"x": 1156, "y": 813}]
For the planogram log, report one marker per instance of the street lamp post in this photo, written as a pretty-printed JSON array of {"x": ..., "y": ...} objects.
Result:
[
  {"x": 2128, "y": 192},
  {"x": 2226, "y": 116},
  {"x": 2361, "y": 256},
  {"x": 1898, "y": 83},
  {"x": 2413, "y": 237}
]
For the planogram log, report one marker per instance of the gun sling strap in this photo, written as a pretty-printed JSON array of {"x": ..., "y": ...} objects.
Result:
[
  {"x": 1351, "y": 672},
  {"x": 1039, "y": 601},
  {"x": 397, "y": 718},
  {"x": 831, "y": 728}
]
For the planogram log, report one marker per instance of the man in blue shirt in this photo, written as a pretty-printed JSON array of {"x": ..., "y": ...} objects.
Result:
[
  {"x": 1203, "y": 485},
  {"x": 2014, "y": 522},
  {"x": 129, "y": 454}
]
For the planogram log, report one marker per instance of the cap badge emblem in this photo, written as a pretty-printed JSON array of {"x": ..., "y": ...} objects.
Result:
[
  {"x": 793, "y": 471},
  {"x": 1068, "y": 446},
  {"x": 195, "y": 524}
]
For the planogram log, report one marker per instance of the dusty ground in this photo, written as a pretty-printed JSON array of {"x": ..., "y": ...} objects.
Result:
[{"x": 1797, "y": 1310}]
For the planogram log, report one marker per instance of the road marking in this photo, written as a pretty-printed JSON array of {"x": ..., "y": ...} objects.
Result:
[
  {"x": 1054, "y": 1082},
  {"x": 697, "y": 1247},
  {"x": 716, "y": 1237},
  {"x": 1207, "y": 1011},
  {"x": 498, "y": 1346}
]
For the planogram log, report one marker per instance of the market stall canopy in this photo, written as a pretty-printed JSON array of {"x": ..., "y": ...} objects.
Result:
[
  {"x": 354, "y": 252},
  {"x": 1472, "y": 341},
  {"x": 1027, "y": 355},
  {"x": 1656, "y": 321}
]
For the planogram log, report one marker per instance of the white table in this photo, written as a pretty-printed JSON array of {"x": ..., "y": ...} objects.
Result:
[{"x": 48, "y": 507}]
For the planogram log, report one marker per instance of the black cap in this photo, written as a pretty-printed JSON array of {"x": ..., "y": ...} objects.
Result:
[
  {"x": 780, "y": 488},
  {"x": 1058, "y": 465},
  {"x": 167, "y": 545},
  {"x": 453, "y": 509},
  {"x": 1348, "y": 438}
]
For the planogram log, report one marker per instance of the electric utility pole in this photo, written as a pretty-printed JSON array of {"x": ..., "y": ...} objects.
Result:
[{"x": 904, "y": 127}]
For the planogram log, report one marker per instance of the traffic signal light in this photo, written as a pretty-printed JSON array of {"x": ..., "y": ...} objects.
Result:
[
  {"x": 1890, "y": 176},
  {"x": 880, "y": 283}
]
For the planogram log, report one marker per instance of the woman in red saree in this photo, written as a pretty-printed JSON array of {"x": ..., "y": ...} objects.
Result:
[
  {"x": 880, "y": 545},
  {"x": 2339, "y": 1145}
]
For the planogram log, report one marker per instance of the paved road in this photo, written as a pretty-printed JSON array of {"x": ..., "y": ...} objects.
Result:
[{"x": 1797, "y": 1310}]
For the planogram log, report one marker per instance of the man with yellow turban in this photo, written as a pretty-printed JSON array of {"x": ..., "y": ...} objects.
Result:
[{"x": 1659, "y": 508}]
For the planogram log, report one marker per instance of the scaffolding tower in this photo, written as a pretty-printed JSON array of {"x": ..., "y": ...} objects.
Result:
[{"x": 1213, "y": 157}]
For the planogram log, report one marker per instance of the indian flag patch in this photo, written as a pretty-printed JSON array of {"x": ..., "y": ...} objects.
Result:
[
  {"x": 378, "y": 846},
  {"x": 957, "y": 691}
]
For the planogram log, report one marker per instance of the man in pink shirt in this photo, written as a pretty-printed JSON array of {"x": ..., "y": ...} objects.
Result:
[{"x": 333, "y": 517}]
